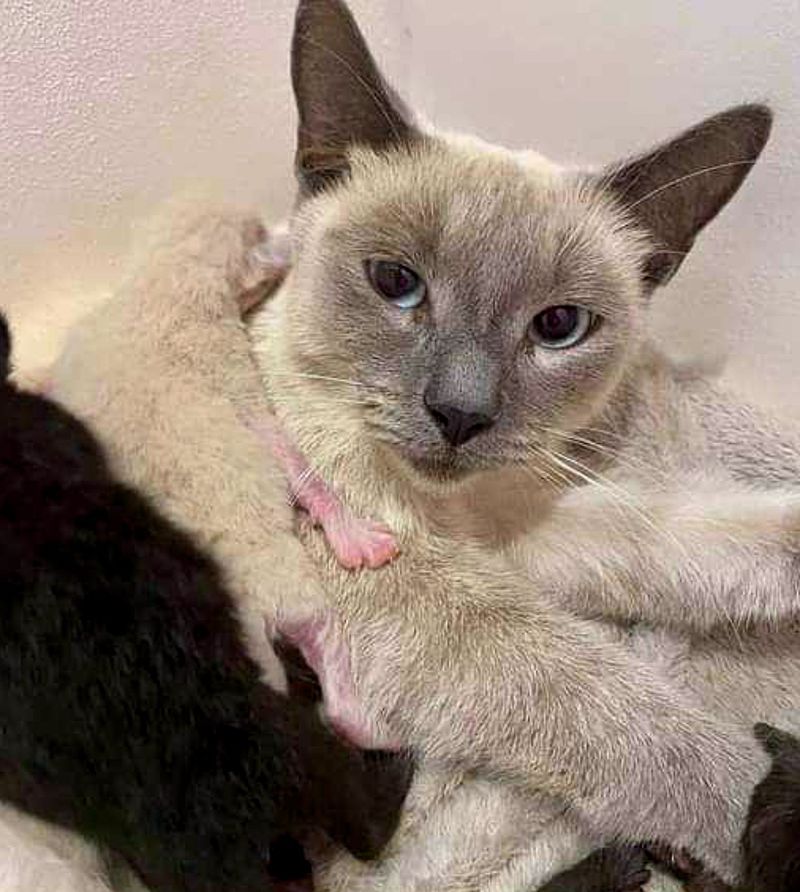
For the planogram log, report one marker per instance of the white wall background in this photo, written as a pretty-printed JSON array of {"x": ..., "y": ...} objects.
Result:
[{"x": 108, "y": 105}]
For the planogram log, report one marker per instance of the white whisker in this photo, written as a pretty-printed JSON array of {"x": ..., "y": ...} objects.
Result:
[
  {"x": 690, "y": 176},
  {"x": 382, "y": 106},
  {"x": 622, "y": 496}
]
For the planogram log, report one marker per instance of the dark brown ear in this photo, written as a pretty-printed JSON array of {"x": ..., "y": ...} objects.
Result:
[
  {"x": 342, "y": 99},
  {"x": 676, "y": 189}
]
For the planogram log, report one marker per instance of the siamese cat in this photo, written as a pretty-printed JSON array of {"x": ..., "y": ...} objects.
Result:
[
  {"x": 458, "y": 322},
  {"x": 460, "y": 349}
]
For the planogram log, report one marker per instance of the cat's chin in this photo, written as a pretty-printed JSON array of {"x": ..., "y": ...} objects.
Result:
[{"x": 442, "y": 470}]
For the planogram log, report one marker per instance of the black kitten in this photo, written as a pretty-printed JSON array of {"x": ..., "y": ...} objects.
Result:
[
  {"x": 129, "y": 711},
  {"x": 771, "y": 842},
  {"x": 612, "y": 869}
]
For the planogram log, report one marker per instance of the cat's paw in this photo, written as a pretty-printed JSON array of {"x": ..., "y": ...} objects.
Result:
[{"x": 359, "y": 542}]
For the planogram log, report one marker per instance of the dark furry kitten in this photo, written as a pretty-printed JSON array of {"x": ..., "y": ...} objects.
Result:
[
  {"x": 772, "y": 840},
  {"x": 611, "y": 869},
  {"x": 130, "y": 712}
]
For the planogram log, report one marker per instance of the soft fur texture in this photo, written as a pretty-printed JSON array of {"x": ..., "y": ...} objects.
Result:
[
  {"x": 164, "y": 373},
  {"x": 610, "y": 485},
  {"x": 503, "y": 644},
  {"x": 131, "y": 712}
]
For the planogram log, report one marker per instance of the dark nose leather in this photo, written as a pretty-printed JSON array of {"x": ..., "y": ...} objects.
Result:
[{"x": 457, "y": 425}]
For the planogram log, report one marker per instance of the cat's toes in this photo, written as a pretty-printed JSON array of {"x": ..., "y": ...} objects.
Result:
[
  {"x": 361, "y": 543},
  {"x": 378, "y": 545}
]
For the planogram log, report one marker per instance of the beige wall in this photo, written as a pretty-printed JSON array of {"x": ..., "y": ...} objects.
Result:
[{"x": 106, "y": 106}]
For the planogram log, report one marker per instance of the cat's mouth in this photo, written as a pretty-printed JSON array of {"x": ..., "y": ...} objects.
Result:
[
  {"x": 442, "y": 468},
  {"x": 443, "y": 464}
]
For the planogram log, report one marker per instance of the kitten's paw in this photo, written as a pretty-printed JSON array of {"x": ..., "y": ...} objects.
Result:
[
  {"x": 687, "y": 869},
  {"x": 324, "y": 648},
  {"x": 359, "y": 542}
]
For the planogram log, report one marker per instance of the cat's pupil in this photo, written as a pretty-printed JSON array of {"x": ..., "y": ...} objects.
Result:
[
  {"x": 394, "y": 280},
  {"x": 557, "y": 323}
]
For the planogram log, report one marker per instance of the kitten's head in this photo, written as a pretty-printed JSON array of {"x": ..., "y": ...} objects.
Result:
[{"x": 483, "y": 300}]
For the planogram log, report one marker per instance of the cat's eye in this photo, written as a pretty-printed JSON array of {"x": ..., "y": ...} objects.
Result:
[
  {"x": 396, "y": 283},
  {"x": 561, "y": 326}
]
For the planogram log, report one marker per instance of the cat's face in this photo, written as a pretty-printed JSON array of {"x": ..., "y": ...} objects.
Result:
[
  {"x": 482, "y": 302},
  {"x": 457, "y": 304}
]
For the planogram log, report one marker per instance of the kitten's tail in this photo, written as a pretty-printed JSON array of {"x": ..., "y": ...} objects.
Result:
[{"x": 5, "y": 349}]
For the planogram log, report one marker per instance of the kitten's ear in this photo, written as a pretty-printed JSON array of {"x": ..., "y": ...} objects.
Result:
[
  {"x": 342, "y": 99},
  {"x": 677, "y": 188}
]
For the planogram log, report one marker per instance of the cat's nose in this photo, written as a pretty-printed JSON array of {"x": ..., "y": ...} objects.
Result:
[{"x": 457, "y": 424}]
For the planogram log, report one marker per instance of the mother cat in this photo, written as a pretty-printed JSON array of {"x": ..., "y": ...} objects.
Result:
[{"x": 460, "y": 349}]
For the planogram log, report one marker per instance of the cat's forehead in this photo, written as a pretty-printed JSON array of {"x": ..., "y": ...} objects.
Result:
[{"x": 452, "y": 203}]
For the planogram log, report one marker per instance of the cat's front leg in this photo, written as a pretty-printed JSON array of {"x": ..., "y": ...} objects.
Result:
[
  {"x": 691, "y": 557},
  {"x": 549, "y": 702},
  {"x": 319, "y": 639}
]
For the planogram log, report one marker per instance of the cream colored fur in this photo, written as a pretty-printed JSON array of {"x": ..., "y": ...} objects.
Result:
[
  {"x": 466, "y": 697},
  {"x": 38, "y": 857},
  {"x": 163, "y": 373},
  {"x": 469, "y": 647},
  {"x": 443, "y": 652}
]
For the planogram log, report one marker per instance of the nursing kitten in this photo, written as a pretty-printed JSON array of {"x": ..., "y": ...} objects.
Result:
[
  {"x": 459, "y": 320},
  {"x": 131, "y": 713}
]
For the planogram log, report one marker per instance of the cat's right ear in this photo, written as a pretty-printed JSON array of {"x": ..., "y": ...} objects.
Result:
[{"x": 342, "y": 99}]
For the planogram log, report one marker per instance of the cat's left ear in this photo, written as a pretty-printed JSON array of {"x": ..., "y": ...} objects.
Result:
[{"x": 676, "y": 189}]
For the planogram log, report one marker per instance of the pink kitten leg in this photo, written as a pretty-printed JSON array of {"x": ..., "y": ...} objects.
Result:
[
  {"x": 356, "y": 542},
  {"x": 323, "y": 648}
]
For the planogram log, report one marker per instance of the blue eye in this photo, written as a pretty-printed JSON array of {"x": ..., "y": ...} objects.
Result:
[
  {"x": 396, "y": 283},
  {"x": 562, "y": 326}
]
